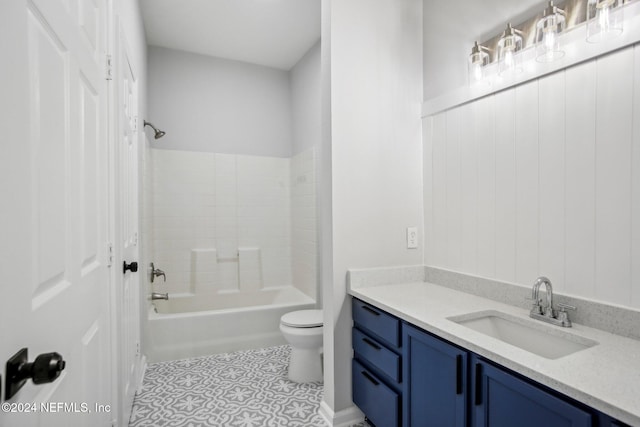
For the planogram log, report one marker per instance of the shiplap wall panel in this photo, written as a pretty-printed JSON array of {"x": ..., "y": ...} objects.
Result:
[
  {"x": 469, "y": 182},
  {"x": 527, "y": 182},
  {"x": 580, "y": 198},
  {"x": 427, "y": 176},
  {"x": 439, "y": 132},
  {"x": 551, "y": 137},
  {"x": 635, "y": 215},
  {"x": 506, "y": 215},
  {"x": 485, "y": 145},
  {"x": 558, "y": 182},
  {"x": 454, "y": 240},
  {"x": 613, "y": 176}
]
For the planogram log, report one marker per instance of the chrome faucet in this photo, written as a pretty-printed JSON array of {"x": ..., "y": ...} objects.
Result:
[
  {"x": 537, "y": 308},
  {"x": 158, "y": 295},
  {"x": 548, "y": 313}
]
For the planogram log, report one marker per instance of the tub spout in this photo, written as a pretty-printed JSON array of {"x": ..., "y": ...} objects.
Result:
[{"x": 158, "y": 295}]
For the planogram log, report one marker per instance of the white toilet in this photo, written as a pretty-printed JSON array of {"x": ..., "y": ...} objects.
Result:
[{"x": 303, "y": 331}]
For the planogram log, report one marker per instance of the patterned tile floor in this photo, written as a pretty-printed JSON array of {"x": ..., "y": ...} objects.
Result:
[{"x": 244, "y": 389}]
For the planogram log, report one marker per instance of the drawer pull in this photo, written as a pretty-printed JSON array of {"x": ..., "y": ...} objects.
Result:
[
  {"x": 478, "y": 390},
  {"x": 369, "y": 377},
  {"x": 371, "y": 310},
  {"x": 459, "y": 374},
  {"x": 371, "y": 343}
]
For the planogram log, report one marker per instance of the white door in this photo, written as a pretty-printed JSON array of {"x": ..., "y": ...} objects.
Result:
[
  {"x": 126, "y": 228},
  {"x": 54, "y": 278}
]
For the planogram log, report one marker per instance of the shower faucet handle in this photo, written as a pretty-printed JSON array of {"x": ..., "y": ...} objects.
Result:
[{"x": 156, "y": 272}]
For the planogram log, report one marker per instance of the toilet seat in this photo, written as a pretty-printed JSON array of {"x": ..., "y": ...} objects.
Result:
[{"x": 302, "y": 319}]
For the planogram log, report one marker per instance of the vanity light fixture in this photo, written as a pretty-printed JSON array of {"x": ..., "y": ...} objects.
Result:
[
  {"x": 548, "y": 28},
  {"x": 508, "y": 47},
  {"x": 604, "y": 20},
  {"x": 478, "y": 60}
]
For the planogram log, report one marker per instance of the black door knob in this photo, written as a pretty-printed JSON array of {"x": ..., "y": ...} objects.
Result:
[
  {"x": 133, "y": 267},
  {"x": 45, "y": 369}
]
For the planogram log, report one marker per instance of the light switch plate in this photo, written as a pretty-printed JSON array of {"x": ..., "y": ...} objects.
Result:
[{"x": 412, "y": 237}]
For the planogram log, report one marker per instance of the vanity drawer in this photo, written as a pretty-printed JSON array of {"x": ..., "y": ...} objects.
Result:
[
  {"x": 377, "y": 322},
  {"x": 380, "y": 403},
  {"x": 376, "y": 354}
]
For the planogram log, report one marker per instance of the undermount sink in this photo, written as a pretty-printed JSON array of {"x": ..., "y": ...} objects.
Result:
[{"x": 530, "y": 335}]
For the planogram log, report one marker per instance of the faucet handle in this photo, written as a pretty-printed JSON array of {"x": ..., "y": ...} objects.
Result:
[
  {"x": 564, "y": 307},
  {"x": 563, "y": 316},
  {"x": 536, "y": 306}
]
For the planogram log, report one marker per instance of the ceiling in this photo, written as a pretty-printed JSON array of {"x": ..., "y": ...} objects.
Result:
[
  {"x": 273, "y": 33},
  {"x": 277, "y": 33}
]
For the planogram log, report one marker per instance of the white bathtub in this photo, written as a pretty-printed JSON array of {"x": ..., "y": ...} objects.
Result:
[{"x": 198, "y": 325}]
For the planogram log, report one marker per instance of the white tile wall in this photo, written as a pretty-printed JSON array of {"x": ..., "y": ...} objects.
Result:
[
  {"x": 146, "y": 213},
  {"x": 542, "y": 179},
  {"x": 226, "y": 222},
  {"x": 303, "y": 222}
]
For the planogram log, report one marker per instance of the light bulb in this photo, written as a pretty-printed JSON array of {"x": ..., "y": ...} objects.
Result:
[
  {"x": 478, "y": 59},
  {"x": 547, "y": 29},
  {"x": 604, "y": 20},
  {"x": 509, "y": 62},
  {"x": 509, "y": 46},
  {"x": 549, "y": 40}
]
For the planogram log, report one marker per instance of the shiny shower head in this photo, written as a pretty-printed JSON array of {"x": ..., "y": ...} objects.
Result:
[{"x": 158, "y": 133}]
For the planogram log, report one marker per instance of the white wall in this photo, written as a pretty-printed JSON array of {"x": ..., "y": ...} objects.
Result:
[
  {"x": 376, "y": 152},
  {"x": 542, "y": 179},
  {"x": 217, "y": 105},
  {"x": 305, "y": 101}
]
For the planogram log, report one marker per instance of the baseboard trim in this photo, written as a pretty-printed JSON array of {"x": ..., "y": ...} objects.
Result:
[
  {"x": 344, "y": 418},
  {"x": 143, "y": 369}
]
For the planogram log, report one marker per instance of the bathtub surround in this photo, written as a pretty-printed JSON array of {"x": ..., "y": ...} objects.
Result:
[
  {"x": 304, "y": 229},
  {"x": 229, "y": 223}
]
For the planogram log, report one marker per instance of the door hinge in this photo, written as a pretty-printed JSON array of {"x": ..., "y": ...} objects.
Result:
[
  {"x": 109, "y": 254},
  {"x": 137, "y": 349},
  {"x": 136, "y": 124},
  {"x": 108, "y": 67}
]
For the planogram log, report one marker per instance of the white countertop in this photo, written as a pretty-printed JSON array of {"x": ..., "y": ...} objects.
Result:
[{"x": 605, "y": 376}]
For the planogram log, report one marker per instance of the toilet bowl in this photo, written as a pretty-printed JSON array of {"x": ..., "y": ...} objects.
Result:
[{"x": 303, "y": 331}]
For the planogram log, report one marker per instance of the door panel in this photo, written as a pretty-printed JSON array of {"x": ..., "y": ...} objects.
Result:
[
  {"x": 59, "y": 295},
  {"x": 126, "y": 226}
]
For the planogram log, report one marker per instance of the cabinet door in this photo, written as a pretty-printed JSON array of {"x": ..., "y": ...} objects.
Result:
[
  {"x": 502, "y": 399},
  {"x": 435, "y": 373}
]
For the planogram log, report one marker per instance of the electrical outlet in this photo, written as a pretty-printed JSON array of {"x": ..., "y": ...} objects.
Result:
[{"x": 412, "y": 237}]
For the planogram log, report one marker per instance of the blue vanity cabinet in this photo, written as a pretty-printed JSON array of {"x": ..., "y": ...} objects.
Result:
[
  {"x": 377, "y": 364},
  {"x": 405, "y": 376},
  {"x": 501, "y": 398},
  {"x": 435, "y": 387}
]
